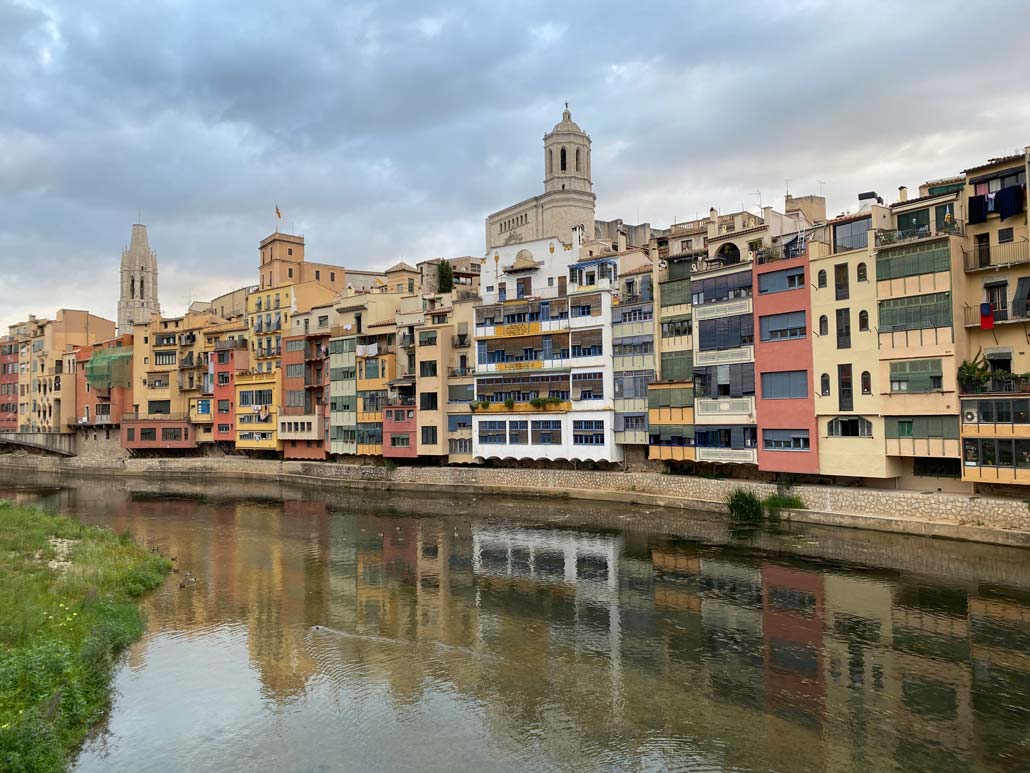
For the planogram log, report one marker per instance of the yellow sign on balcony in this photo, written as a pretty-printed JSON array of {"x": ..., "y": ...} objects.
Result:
[
  {"x": 518, "y": 329},
  {"x": 523, "y": 365}
]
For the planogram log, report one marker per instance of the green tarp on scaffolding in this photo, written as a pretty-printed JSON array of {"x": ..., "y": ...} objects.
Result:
[{"x": 110, "y": 368}]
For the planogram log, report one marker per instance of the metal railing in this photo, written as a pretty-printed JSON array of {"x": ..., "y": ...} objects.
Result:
[
  {"x": 972, "y": 315},
  {"x": 886, "y": 238},
  {"x": 155, "y": 417},
  {"x": 461, "y": 372},
  {"x": 1009, "y": 384},
  {"x": 989, "y": 256}
]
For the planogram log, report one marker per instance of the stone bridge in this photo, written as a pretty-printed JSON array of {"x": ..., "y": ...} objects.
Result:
[{"x": 62, "y": 444}]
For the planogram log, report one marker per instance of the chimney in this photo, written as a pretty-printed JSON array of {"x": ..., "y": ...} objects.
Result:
[
  {"x": 622, "y": 240},
  {"x": 902, "y": 193}
]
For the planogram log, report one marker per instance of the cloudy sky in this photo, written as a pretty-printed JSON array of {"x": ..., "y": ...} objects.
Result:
[{"x": 388, "y": 130}]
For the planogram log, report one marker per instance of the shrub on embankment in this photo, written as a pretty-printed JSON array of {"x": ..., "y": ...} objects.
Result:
[
  {"x": 67, "y": 608},
  {"x": 746, "y": 506}
]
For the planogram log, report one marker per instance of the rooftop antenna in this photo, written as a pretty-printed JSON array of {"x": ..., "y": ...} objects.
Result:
[
  {"x": 759, "y": 195},
  {"x": 787, "y": 180},
  {"x": 139, "y": 216},
  {"x": 821, "y": 184}
]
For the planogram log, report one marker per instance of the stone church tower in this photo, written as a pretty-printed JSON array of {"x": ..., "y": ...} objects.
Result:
[
  {"x": 138, "y": 298},
  {"x": 568, "y": 199}
]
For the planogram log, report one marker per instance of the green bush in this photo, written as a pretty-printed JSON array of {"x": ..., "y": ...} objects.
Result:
[
  {"x": 744, "y": 505},
  {"x": 509, "y": 403},
  {"x": 782, "y": 501}
]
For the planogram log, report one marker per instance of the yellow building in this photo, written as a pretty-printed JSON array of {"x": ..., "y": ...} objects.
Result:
[
  {"x": 268, "y": 318},
  {"x": 995, "y": 390},
  {"x": 257, "y": 400}
]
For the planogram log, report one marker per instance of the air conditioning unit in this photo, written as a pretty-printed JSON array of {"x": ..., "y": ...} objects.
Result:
[{"x": 970, "y": 417}]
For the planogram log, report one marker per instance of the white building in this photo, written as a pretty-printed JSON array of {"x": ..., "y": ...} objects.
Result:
[{"x": 544, "y": 365}]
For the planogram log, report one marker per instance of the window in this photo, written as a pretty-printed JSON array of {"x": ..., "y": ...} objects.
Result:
[
  {"x": 164, "y": 358},
  {"x": 785, "y": 439},
  {"x": 781, "y": 281},
  {"x": 400, "y": 441},
  {"x": 295, "y": 345},
  {"x": 289, "y": 273},
  {"x": 223, "y": 406},
  {"x": 840, "y": 282},
  {"x": 318, "y": 274},
  {"x": 295, "y": 398},
  {"x": 546, "y": 433},
  {"x": 863, "y": 321},
  {"x": 905, "y": 428},
  {"x": 677, "y": 326},
  {"x": 862, "y": 273},
  {"x": 678, "y": 366},
  {"x": 843, "y": 328},
  {"x": 844, "y": 388},
  {"x": 776, "y": 327},
  {"x": 914, "y": 312},
  {"x": 821, "y": 281},
  {"x": 492, "y": 432},
  {"x": 725, "y": 332},
  {"x": 588, "y": 433},
  {"x": 851, "y": 236},
  {"x": 1004, "y": 235},
  {"x": 159, "y": 407},
  {"x": 850, "y": 426},
  {"x": 824, "y": 325},
  {"x": 912, "y": 259},
  {"x": 148, "y": 433},
  {"x": 171, "y": 433},
  {"x": 916, "y": 375},
  {"x": 867, "y": 383},
  {"x": 427, "y": 368},
  {"x": 427, "y": 338},
  {"x": 295, "y": 371},
  {"x": 130, "y": 434},
  {"x": 429, "y": 437},
  {"x": 785, "y": 385},
  {"x": 428, "y": 401},
  {"x": 518, "y": 433}
]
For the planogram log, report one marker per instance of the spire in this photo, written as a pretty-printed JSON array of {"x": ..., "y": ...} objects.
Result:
[{"x": 139, "y": 244}]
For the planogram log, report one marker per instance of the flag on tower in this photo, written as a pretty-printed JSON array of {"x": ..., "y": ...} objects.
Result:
[{"x": 278, "y": 214}]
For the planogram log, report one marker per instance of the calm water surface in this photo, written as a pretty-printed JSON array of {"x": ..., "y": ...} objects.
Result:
[{"x": 347, "y": 631}]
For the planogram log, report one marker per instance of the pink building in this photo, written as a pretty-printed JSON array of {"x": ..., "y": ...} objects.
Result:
[
  {"x": 784, "y": 380},
  {"x": 400, "y": 428}
]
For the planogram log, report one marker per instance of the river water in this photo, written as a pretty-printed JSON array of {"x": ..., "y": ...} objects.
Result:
[{"x": 359, "y": 631}]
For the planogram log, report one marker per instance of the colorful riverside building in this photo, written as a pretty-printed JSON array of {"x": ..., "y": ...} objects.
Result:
[
  {"x": 995, "y": 398},
  {"x": 304, "y": 413},
  {"x": 228, "y": 354},
  {"x": 104, "y": 383},
  {"x": 544, "y": 364},
  {"x": 9, "y": 347},
  {"x": 172, "y": 386}
]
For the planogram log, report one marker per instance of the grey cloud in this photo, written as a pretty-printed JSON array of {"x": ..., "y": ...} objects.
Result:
[{"x": 390, "y": 129}]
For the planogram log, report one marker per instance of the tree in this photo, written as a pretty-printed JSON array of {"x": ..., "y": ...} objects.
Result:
[{"x": 444, "y": 277}]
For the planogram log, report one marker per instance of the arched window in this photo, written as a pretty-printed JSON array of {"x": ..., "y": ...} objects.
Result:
[
  {"x": 824, "y": 326},
  {"x": 141, "y": 288},
  {"x": 550, "y": 161},
  {"x": 863, "y": 320},
  {"x": 822, "y": 277},
  {"x": 867, "y": 383},
  {"x": 862, "y": 275},
  {"x": 577, "y": 160},
  {"x": 132, "y": 287},
  {"x": 562, "y": 160},
  {"x": 824, "y": 384}
]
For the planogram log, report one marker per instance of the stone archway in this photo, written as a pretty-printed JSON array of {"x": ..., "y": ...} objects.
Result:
[{"x": 728, "y": 254}]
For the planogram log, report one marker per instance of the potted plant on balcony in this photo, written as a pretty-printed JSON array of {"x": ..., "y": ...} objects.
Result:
[
  {"x": 973, "y": 374},
  {"x": 509, "y": 404},
  {"x": 538, "y": 402}
]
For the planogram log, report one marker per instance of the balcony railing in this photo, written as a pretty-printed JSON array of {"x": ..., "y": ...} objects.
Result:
[
  {"x": 461, "y": 341},
  {"x": 461, "y": 372},
  {"x": 154, "y": 417},
  {"x": 235, "y": 343},
  {"x": 972, "y": 314},
  {"x": 886, "y": 238},
  {"x": 997, "y": 385},
  {"x": 397, "y": 402},
  {"x": 990, "y": 256},
  {"x": 407, "y": 341}
]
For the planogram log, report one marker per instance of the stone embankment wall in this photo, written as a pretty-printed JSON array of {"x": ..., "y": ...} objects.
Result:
[{"x": 959, "y": 516}]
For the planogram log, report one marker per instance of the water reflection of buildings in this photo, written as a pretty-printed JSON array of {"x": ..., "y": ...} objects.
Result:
[{"x": 760, "y": 660}]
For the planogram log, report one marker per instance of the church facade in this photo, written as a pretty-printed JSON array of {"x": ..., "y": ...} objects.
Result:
[
  {"x": 568, "y": 199},
  {"x": 137, "y": 300}
]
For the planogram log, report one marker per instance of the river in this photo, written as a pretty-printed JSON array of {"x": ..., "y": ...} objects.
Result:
[{"x": 311, "y": 630}]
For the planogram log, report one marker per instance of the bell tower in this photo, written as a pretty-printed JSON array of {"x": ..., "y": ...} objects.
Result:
[
  {"x": 137, "y": 300},
  {"x": 567, "y": 157}
]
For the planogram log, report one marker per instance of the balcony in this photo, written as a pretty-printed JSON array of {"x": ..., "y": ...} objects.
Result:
[
  {"x": 154, "y": 417},
  {"x": 407, "y": 341},
  {"x": 399, "y": 402},
  {"x": 461, "y": 341},
  {"x": 461, "y": 372},
  {"x": 1002, "y": 385},
  {"x": 562, "y": 406},
  {"x": 886, "y": 238},
  {"x": 725, "y": 410},
  {"x": 232, "y": 343},
  {"x": 1019, "y": 313},
  {"x": 727, "y": 455},
  {"x": 305, "y": 427},
  {"x": 997, "y": 255}
]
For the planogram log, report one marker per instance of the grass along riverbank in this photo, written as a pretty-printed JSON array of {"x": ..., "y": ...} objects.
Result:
[{"x": 67, "y": 608}]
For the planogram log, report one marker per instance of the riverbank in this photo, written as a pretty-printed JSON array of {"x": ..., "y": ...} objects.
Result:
[
  {"x": 935, "y": 514},
  {"x": 67, "y": 608}
]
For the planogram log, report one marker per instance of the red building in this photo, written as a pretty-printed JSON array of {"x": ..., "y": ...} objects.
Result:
[
  {"x": 8, "y": 384},
  {"x": 103, "y": 383},
  {"x": 303, "y": 417},
  {"x": 400, "y": 421},
  {"x": 158, "y": 433},
  {"x": 230, "y": 357},
  {"x": 784, "y": 380}
]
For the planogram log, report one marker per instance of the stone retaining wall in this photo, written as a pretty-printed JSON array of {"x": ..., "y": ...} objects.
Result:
[{"x": 957, "y": 515}]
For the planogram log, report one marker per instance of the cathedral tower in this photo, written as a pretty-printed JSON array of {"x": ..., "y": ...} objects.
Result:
[
  {"x": 138, "y": 298},
  {"x": 567, "y": 157}
]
